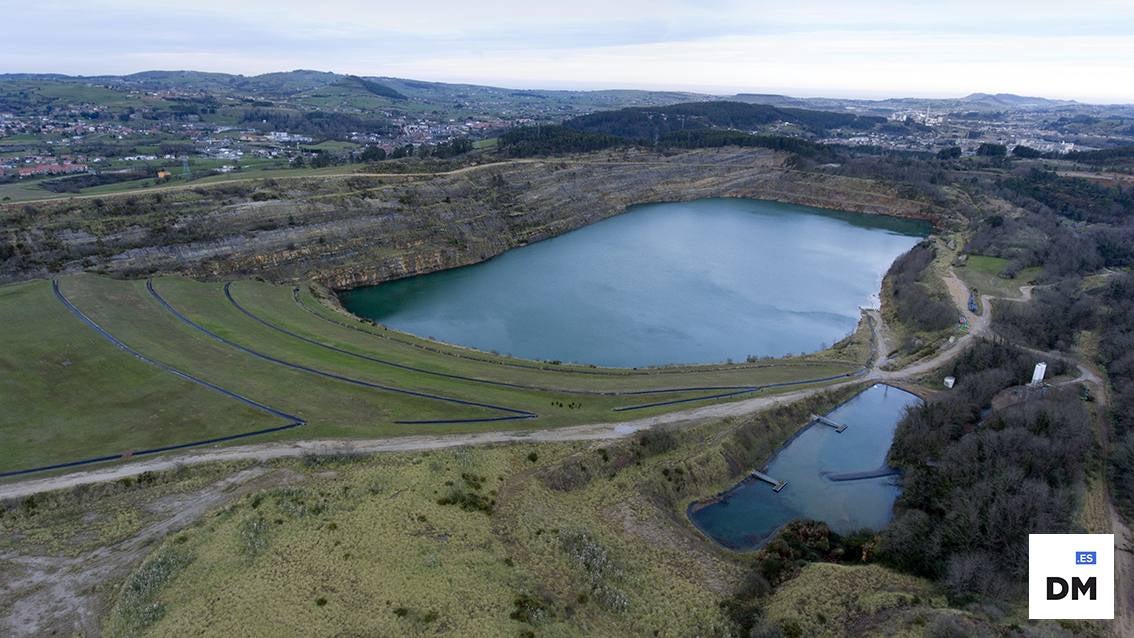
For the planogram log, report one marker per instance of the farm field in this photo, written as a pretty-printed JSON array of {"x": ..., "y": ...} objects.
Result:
[{"x": 292, "y": 357}]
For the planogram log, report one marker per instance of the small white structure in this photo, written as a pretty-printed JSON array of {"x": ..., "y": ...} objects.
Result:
[
  {"x": 1040, "y": 371},
  {"x": 950, "y": 382}
]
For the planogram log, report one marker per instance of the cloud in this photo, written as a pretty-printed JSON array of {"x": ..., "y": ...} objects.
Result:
[{"x": 848, "y": 47}]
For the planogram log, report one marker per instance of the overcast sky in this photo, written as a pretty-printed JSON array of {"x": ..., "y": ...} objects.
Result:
[{"x": 1081, "y": 49}]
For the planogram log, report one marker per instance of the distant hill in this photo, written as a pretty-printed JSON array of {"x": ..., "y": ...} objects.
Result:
[
  {"x": 653, "y": 122},
  {"x": 368, "y": 102},
  {"x": 325, "y": 91},
  {"x": 982, "y": 102},
  {"x": 370, "y": 86},
  {"x": 1009, "y": 100},
  {"x": 771, "y": 99}
]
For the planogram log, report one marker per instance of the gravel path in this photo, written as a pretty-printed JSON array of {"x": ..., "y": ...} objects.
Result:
[{"x": 267, "y": 451}]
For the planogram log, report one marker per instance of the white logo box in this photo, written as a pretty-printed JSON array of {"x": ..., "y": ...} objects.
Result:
[{"x": 1071, "y": 576}]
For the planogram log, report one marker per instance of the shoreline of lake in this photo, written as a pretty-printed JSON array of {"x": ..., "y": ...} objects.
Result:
[
  {"x": 686, "y": 271},
  {"x": 748, "y": 514}
]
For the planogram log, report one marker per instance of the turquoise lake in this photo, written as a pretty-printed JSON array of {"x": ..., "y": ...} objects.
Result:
[
  {"x": 750, "y": 513},
  {"x": 685, "y": 282}
]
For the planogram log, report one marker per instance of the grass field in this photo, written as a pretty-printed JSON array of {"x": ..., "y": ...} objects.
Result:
[
  {"x": 983, "y": 273},
  {"x": 29, "y": 190},
  {"x": 69, "y": 394},
  {"x": 558, "y": 539},
  {"x": 829, "y": 600}
]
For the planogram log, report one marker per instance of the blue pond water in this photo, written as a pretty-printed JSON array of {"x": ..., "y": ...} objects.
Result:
[
  {"x": 749, "y": 514},
  {"x": 685, "y": 282}
]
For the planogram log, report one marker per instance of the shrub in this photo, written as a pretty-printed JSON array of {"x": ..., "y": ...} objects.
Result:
[
  {"x": 253, "y": 536},
  {"x": 530, "y": 610},
  {"x": 468, "y": 501},
  {"x": 138, "y": 605},
  {"x": 597, "y": 565},
  {"x": 914, "y": 304}
]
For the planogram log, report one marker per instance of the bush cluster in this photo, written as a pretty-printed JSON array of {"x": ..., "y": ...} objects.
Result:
[
  {"x": 977, "y": 481},
  {"x": 914, "y": 304}
]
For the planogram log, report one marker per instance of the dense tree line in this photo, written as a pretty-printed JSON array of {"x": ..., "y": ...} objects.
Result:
[
  {"x": 651, "y": 123},
  {"x": 716, "y": 137},
  {"x": 1041, "y": 234},
  {"x": 527, "y": 141},
  {"x": 324, "y": 124},
  {"x": 1051, "y": 320},
  {"x": 913, "y": 302},
  {"x": 1103, "y": 156},
  {"x": 989, "y": 149},
  {"x": 1116, "y": 353},
  {"x": 452, "y": 148},
  {"x": 977, "y": 481},
  {"x": 550, "y": 140},
  {"x": 1073, "y": 197}
]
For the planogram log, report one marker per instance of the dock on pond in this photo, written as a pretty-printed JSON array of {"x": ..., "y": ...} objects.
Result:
[
  {"x": 777, "y": 485},
  {"x": 839, "y": 427}
]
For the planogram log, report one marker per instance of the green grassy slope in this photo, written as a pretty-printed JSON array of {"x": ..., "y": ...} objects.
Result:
[
  {"x": 69, "y": 394},
  {"x": 65, "y": 393}
]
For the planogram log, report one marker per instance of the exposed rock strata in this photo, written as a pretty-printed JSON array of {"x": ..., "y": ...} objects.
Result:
[{"x": 356, "y": 230}]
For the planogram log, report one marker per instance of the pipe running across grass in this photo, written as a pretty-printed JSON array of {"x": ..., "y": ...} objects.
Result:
[
  {"x": 402, "y": 366},
  {"x": 512, "y": 413},
  {"x": 292, "y": 421},
  {"x": 295, "y": 421},
  {"x": 728, "y": 391}
]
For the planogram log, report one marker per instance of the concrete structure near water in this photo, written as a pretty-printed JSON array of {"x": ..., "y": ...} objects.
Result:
[
  {"x": 776, "y": 484},
  {"x": 839, "y": 427}
]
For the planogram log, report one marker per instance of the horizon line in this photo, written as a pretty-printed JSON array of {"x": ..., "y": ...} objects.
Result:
[{"x": 710, "y": 91}]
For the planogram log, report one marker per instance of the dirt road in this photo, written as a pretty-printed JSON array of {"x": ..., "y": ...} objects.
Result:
[
  {"x": 266, "y": 451},
  {"x": 62, "y": 595},
  {"x": 979, "y": 325}
]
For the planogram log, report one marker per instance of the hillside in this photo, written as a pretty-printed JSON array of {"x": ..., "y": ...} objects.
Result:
[
  {"x": 354, "y": 229},
  {"x": 650, "y": 123}
]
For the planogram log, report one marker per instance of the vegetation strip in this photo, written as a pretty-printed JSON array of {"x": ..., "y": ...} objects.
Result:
[
  {"x": 515, "y": 414},
  {"x": 740, "y": 391},
  {"x": 293, "y": 421},
  {"x": 248, "y": 313},
  {"x": 643, "y": 406}
]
